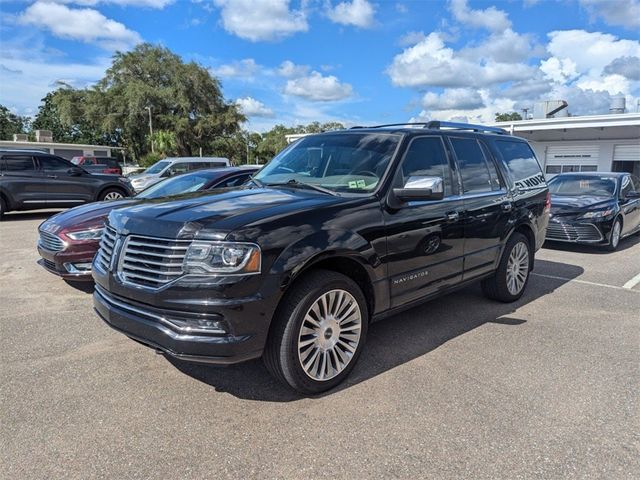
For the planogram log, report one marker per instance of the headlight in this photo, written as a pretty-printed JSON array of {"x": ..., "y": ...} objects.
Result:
[
  {"x": 93, "y": 234},
  {"x": 206, "y": 258},
  {"x": 598, "y": 213}
]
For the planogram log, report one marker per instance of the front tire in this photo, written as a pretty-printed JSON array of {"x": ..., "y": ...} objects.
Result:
[
  {"x": 509, "y": 281},
  {"x": 616, "y": 233},
  {"x": 318, "y": 332},
  {"x": 111, "y": 194}
]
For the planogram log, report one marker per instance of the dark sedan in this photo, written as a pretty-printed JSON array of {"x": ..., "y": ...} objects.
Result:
[
  {"x": 594, "y": 208},
  {"x": 69, "y": 240}
]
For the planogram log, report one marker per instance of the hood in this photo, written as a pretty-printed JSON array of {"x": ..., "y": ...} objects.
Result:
[
  {"x": 91, "y": 215},
  {"x": 578, "y": 203},
  {"x": 215, "y": 211}
]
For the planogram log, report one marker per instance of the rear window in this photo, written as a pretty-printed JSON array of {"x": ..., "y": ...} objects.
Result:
[
  {"x": 17, "y": 163},
  {"x": 521, "y": 164}
]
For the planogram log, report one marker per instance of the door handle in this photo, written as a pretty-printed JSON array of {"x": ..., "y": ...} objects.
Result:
[
  {"x": 52, "y": 176},
  {"x": 453, "y": 216}
]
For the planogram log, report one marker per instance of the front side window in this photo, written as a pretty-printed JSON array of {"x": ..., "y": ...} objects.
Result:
[
  {"x": 626, "y": 186},
  {"x": 233, "y": 181},
  {"x": 426, "y": 157},
  {"x": 582, "y": 185},
  {"x": 54, "y": 164},
  {"x": 177, "y": 169},
  {"x": 18, "y": 163},
  {"x": 473, "y": 166},
  {"x": 340, "y": 162}
]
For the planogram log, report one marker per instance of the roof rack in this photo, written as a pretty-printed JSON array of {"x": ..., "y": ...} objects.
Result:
[
  {"x": 437, "y": 125},
  {"x": 466, "y": 126}
]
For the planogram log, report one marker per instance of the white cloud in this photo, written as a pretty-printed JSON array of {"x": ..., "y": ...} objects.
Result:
[
  {"x": 84, "y": 24},
  {"x": 359, "y": 13},
  {"x": 246, "y": 68},
  {"x": 453, "y": 99},
  {"x": 484, "y": 113},
  {"x": 625, "y": 13},
  {"x": 505, "y": 46},
  {"x": 26, "y": 80},
  {"x": 290, "y": 69},
  {"x": 317, "y": 87},
  {"x": 159, "y": 4},
  {"x": 628, "y": 67},
  {"x": 253, "y": 108},
  {"x": 559, "y": 69},
  {"x": 431, "y": 63},
  {"x": 490, "y": 18},
  {"x": 266, "y": 20}
]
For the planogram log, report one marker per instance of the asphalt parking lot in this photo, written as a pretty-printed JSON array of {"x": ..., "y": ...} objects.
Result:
[{"x": 461, "y": 387}]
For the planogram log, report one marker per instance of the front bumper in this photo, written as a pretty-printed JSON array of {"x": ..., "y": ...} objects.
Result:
[
  {"x": 165, "y": 330},
  {"x": 586, "y": 232},
  {"x": 68, "y": 263}
]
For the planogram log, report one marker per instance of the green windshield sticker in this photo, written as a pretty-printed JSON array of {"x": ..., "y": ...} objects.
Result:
[
  {"x": 353, "y": 184},
  {"x": 361, "y": 184}
]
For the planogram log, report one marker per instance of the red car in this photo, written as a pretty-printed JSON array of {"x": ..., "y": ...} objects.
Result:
[
  {"x": 98, "y": 164},
  {"x": 69, "y": 240}
]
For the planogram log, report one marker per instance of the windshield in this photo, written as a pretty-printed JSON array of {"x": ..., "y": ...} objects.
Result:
[
  {"x": 190, "y": 182},
  {"x": 575, "y": 185},
  {"x": 157, "y": 167},
  {"x": 347, "y": 162}
]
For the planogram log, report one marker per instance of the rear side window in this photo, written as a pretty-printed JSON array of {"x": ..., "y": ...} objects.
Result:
[
  {"x": 18, "y": 163},
  {"x": 521, "y": 164},
  {"x": 233, "y": 181},
  {"x": 478, "y": 175},
  {"x": 426, "y": 157}
]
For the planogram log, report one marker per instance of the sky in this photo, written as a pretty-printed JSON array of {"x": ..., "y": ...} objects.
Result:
[{"x": 359, "y": 62}]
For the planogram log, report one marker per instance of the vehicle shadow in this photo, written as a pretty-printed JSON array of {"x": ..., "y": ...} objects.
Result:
[
  {"x": 32, "y": 215},
  {"x": 390, "y": 342},
  {"x": 625, "y": 244},
  {"x": 83, "y": 286}
]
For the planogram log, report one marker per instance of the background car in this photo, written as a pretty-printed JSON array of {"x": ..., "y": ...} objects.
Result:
[
  {"x": 31, "y": 180},
  {"x": 69, "y": 240},
  {"x": 169, "y": 167},
  {"x": 594, "y": 208},
  {"x": 107, "y": 165}
]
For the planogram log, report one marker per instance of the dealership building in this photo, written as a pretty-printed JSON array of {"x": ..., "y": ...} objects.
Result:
[{"x": 44, "y": 143}]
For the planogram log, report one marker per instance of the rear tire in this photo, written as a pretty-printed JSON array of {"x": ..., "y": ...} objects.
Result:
[
  {"x": 510, "y": 280},
  {"x": 111, "y": 194},
  {"x": 616, "y": 233},
  {"x": 3, "y": 207},
  {"x": 318, "y": 332}
]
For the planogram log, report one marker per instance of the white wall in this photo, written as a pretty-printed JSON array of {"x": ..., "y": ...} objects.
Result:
[{"x": 605, "y": 158}]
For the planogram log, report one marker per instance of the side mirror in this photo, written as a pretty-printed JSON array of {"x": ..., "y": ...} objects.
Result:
[
  {"x": 75, "y": 171},
  {"x": 420, "y": 188}
]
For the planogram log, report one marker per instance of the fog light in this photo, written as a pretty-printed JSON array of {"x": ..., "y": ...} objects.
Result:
[
  {"x": 199, "y": 325},
  {"x": 78, "y": 267}
]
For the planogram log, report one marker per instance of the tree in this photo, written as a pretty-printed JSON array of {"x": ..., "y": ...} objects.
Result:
[
  {"x": 164, "y": 142},
  {"x": 11, "y": 123},
  {"x": 183, "y": 97},
  {"x": 508, "y": 117}
]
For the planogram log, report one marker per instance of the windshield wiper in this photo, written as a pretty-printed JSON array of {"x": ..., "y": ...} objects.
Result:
[{"x": 297, "y": 184}]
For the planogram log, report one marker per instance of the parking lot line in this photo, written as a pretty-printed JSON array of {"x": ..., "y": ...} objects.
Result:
[
  {"x": 632, "y": 283},
  {"x": 585, "y": 282}
]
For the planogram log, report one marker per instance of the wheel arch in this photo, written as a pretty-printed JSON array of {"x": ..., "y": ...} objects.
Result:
[{"x": 111, "y": 187}]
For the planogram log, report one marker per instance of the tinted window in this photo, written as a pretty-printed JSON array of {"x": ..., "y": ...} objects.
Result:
[
  {"x": 198, "y": 165},
  {"x": 22, "y": 163},
  {"x": 626, "y": 186},
  {"x": 54, "y": 164},
  {"x": 474, "y": 169},
  {"x": 426, "y": 157},
  {"x": 585, "y": 185},
  {"x": 233, "y": 181},
  {"x": 521, "y": 164},
  {"x": 176, "y": 185}
]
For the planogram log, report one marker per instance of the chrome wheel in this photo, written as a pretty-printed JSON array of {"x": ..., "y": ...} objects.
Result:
[
  {"x": 615, "y": 235},
  {"x": 113, "y": 196},
  {"x": 329, "y": 335},
  {"x": 517, "y": 268}
]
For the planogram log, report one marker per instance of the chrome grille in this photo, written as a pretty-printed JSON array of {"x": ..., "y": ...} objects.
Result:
[
  {"x": 151, "y": 262},
  {"x": 582, "y": 232},
  {"x": 103, "y": 258},
  {"x": 51, "y": 242}
]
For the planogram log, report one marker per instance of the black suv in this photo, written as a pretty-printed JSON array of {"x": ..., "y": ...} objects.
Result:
[
  {"x": 339, "y": 230},
  {"x": 30, "y": 180}
]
